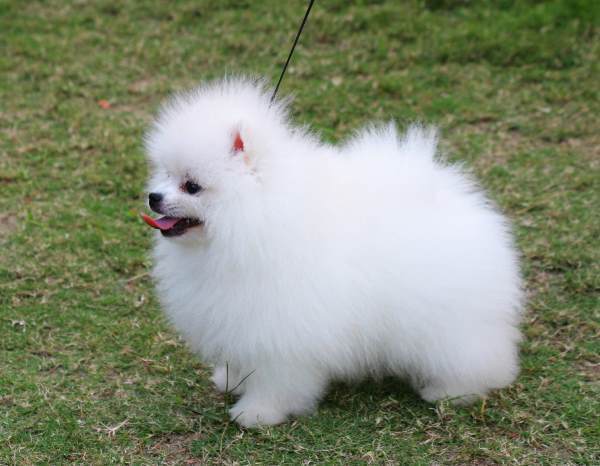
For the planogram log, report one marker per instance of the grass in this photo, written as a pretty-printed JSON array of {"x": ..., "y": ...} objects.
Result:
[{"x": 90, "y": 372}]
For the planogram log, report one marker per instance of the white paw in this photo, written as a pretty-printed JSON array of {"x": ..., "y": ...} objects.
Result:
[
  {"x": 219, "y": 378},
  {"x": 227, "y": 382},
  {"x": 454, "y": 396},
  {"x": 255, "y": 414}
]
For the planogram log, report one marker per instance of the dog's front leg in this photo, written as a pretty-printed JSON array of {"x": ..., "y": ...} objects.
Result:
[
  {"x": 272, "y": 393},
  {"x": 228, "y": 379}
]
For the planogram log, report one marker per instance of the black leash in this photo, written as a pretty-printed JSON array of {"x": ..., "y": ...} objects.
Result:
[{"x": 292, "y": 51}]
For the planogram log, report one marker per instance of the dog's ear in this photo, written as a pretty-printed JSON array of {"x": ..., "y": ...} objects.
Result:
[
  {"x": 238, "y": 144},
  {"x": 251, "y": 143}
]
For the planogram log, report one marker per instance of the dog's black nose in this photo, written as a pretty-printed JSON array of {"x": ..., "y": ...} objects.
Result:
[{"x": 154, "y": 200}]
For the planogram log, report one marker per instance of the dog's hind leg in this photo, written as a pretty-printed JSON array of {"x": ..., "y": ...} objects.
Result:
[{"x": 470, "y": 367}]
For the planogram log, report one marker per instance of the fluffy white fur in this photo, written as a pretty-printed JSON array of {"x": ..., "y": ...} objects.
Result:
[{"x": 319, "y": 262}]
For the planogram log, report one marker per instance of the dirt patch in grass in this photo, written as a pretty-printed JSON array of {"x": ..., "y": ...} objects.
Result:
[
  {"x": 8, "y": 224},
  {"x": 175, "y": 449}
]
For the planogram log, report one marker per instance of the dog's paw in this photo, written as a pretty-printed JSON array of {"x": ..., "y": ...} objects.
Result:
[
  {"x": 227, "y": 382},
  {"x": 219, "y": 378},
  {"x": 455, "y": 397},
  {"x": 256, "y": 415}
]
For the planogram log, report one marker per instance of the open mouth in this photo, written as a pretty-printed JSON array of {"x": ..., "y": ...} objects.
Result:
[{"x": 171, "y": 226}]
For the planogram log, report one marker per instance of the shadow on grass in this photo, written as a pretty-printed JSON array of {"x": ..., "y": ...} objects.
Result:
[{"x": 370, "y": 401}]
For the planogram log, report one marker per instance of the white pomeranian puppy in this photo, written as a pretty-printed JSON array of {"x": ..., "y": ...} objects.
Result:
[{"x": 288, "y": 262}]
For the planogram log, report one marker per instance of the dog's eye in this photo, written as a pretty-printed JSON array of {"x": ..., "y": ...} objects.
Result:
[{"x": 191, "y": 188}]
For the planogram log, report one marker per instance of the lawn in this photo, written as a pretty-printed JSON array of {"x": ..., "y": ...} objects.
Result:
[{"x": 90, "y": 371}]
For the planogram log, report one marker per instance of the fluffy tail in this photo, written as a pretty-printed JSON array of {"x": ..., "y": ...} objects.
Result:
[{"x": 418, "y": 141}]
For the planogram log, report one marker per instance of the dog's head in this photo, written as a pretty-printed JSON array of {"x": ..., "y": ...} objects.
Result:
[{"x": 206, "y": 149}]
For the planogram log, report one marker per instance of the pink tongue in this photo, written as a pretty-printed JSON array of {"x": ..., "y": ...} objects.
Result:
[{"x": 163, "y": 223}]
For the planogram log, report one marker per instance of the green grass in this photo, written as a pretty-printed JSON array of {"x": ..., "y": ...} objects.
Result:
[{"x": 90, "y": 372}]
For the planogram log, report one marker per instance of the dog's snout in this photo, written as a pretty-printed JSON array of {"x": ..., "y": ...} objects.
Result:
[{"x": 154, "y": 199}]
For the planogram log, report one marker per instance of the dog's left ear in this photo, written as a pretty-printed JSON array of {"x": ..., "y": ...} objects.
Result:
[
  {"x": 251, "y": 143},
  {"x": 238, "y": 145}
]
